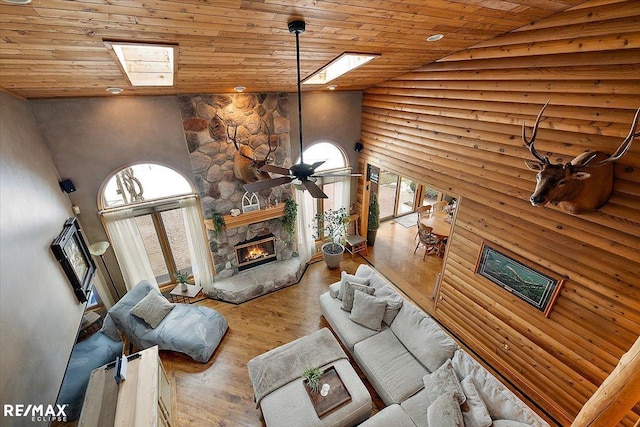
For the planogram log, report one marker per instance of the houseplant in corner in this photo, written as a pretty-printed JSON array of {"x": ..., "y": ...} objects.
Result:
[
  {"x": 331, "y": 225},
  {"x": 373, "y": 222}
]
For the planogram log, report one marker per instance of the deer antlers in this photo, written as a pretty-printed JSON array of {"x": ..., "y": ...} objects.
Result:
[
  {"x": 529, "y": 142},
  {"x": 234, "y": 139}
]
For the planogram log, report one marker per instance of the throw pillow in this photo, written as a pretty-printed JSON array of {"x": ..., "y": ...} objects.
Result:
[
  {"x": 152, "y": 308},
  {"x": 368, "y": 310},
  {"x": 349, "y": 289},
  {"x": 445, "y": 412},
  {"x": 443, "y": 380},
  {"x": 474, "y": 411},
  {"x": 394, "y": 302},
  {"x": 345, "y": 277},
  {"x": 109, "y": 328}
]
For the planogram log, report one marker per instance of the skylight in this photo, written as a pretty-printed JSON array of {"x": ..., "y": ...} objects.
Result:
[
  {"x": 339, "y": 66},
  {"x": 146, "y": 64}
]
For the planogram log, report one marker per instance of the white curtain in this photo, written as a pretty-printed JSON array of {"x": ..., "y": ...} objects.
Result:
[
  {"x": 304, "y": 229},
  {"x": 198, "y": 244},
  {"x": 342, "y": 193},
  {"x": 129, "y": 247}
]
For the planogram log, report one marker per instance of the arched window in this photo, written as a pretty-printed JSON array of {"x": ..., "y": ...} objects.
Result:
[
  {"x": 337, "y": 188},
  {"x": 143, "y": 182},
  {"x": 153, "y": 220}
]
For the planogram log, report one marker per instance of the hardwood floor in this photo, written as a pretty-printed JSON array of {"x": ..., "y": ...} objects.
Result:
[{"x": 219, "y": 392}]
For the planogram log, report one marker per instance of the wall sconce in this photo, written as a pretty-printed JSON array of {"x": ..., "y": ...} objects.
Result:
[{"x": 98, "y": 249}]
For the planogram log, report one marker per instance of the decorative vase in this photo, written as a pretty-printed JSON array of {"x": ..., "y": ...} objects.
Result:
[
  {"x": 183, "y": 287},
  {"x": 332, "y": 254}
]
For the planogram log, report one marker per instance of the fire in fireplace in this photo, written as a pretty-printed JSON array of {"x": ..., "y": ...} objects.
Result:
[{"x": 257, "y": 251}]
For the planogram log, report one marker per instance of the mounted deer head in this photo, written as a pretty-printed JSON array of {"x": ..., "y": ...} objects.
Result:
[
  {"x": 245, "y": 164},
  {"x": 582, "y": 185}
]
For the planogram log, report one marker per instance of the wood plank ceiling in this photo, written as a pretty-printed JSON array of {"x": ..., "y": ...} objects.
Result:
[{"x": 55, "y": 48}]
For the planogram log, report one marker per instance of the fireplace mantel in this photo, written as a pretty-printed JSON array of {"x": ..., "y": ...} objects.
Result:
[{"x": 247, "y": 218}]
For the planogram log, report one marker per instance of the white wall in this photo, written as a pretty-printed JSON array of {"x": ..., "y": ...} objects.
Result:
[{"x": 39, "y": 313}]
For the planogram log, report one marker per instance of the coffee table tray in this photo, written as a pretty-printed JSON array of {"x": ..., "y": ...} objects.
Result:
[{"x": 338, "y": 393}]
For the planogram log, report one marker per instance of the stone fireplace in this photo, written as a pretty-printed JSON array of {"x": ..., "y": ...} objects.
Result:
[
  {"x": 259, "y": 119},
  {"x": 254, "y": 252}
]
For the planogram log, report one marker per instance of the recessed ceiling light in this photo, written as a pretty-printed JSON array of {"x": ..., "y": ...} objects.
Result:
[
  {"x": 435, "y": 38},
  {"x": 339, "y": 66},
  {"x": 332, "y": 87},
  {"x": 114, "y": 90},
  {"x": 146, "y": 64},
  {"x": 17, "y": 1},
  {"x": 239, "y": 89}
]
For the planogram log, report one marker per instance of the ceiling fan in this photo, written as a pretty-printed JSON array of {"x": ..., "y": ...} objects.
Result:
[{"x": 302, "y": 172}]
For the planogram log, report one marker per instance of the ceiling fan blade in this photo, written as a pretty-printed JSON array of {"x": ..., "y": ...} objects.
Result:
[
  {"x": 314, "y": 190},
  {"x": 329, "y": 174},
  {"x": 254, "y": 187},
  {"x": 316, "y": 164},
  {"x": 274, "y": 169}
]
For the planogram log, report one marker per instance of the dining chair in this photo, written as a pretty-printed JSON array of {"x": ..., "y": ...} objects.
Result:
[
  {"x": 438, "y": 206},
  {"x": 427, "y": 240},
  {"x": 422, "y": 210},
  {"x": 354, "y": 242}
]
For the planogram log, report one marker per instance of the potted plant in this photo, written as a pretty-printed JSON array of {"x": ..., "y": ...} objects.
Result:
[
  {"x": 312, "y": 378},
  {"x": 182, "y": 279},
  {"x": 331, "y": 225},
  {"x": 218, "y": 224},
  {"x": 290, "y": 217},
  {"x": 374, "y": 219}
]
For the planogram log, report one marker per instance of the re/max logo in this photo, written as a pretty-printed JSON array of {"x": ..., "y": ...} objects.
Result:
[{"x": 37, "y": 412}]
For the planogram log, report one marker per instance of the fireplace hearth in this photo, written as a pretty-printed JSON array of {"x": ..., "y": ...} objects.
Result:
[{"x": 257, "y": 251}]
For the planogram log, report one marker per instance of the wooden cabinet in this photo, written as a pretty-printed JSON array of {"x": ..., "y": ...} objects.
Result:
[{"x": 144, "y": 398}]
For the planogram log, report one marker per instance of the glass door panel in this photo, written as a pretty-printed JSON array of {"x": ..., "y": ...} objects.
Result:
[
  {"x": 406, "y": 196},
  {"x": 152, "y": 245},
  {"x": 387, "y": 186}
]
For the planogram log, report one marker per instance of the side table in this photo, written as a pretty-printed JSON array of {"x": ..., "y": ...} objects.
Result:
[{"x": 177, "y": 295}]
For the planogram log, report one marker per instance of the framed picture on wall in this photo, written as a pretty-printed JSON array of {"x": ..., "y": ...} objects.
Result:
[
  {"x": 71, "y": 250},
  {"x": 535, "y": 284}
]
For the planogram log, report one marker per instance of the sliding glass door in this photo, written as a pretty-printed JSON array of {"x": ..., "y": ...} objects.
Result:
[{"x": 396, "y": 194}]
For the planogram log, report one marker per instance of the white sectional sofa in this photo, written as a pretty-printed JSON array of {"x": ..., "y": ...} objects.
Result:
[{"x": 406, "y": 350}]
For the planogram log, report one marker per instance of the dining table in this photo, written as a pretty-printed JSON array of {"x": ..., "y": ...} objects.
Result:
[{"x": 439, "y": 221}]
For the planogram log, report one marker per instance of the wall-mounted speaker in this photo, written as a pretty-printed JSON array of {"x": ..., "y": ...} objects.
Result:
[
  {"x": 67, "y": 186},
  {"x": 358, "y": 146}
]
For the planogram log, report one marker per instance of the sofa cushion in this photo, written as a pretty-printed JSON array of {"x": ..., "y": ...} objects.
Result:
[
  {"x": 474, "y": 411},
  {"x": 500, "y": 401},
  {"x": 390, "y": 416},
  {"x": 348, "y": 291},
  {"x": 349, "y": 333},
  {"x": 391, "y": 369},
  {"x": 423, "y": 337},
  {"x": 416, "y": 408},
  {"x": 153, "y": 308},
  {"x": 350, "y": 278},
  {"x": 442, "y": 381},
  {"x": 445, "y": 412},
  {"x": 368, "y": 310},
  {"x": 508, "y": 423}
]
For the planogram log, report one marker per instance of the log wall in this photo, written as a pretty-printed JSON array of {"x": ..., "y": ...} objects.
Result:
[{"x": 456, "y": 124}]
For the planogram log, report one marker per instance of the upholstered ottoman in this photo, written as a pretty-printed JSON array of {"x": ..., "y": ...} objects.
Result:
[{"x": 281, "y": 394}]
